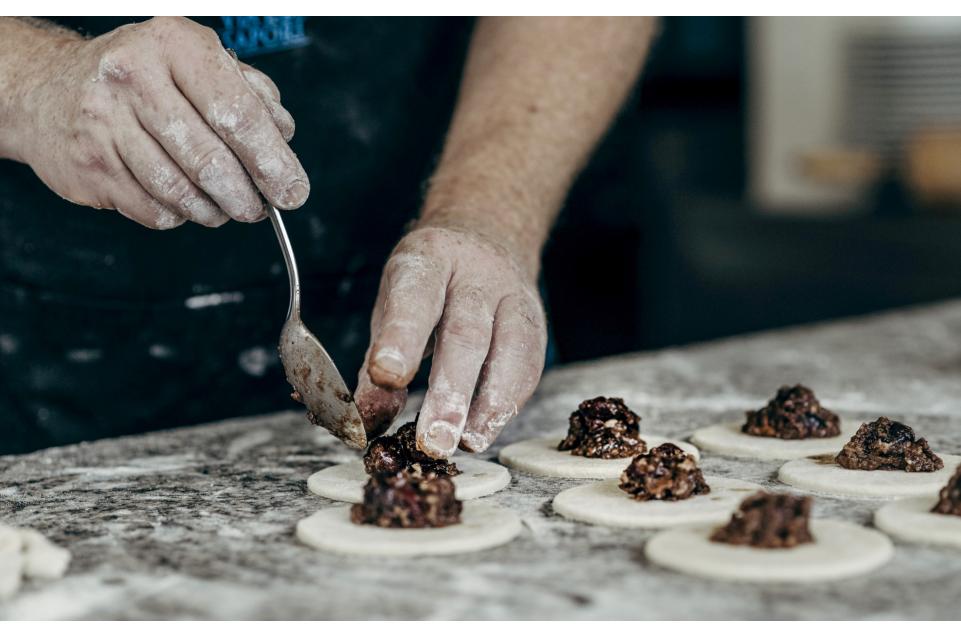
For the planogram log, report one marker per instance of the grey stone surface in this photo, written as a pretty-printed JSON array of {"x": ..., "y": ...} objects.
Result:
[{"x": 198, "y": 522}]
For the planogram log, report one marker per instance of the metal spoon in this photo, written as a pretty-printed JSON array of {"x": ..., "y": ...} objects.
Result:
[{"x": 310, "y": 370}]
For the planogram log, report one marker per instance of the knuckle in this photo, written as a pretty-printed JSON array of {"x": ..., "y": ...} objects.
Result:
[
  {"x": 235, "y": 118},
  {"x": 465, "y": 332},
  {"x": 118, "y": 65}
]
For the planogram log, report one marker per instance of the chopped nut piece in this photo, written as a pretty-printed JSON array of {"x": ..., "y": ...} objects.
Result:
[
  {"x": 408, "y": 499},
  {"x": 949, "y": 501},
  {"x": 770, "y": 521},
  {"x": 666, "y": 473},
  {"x": 605, "y": 429},
  {"x": 888, "y": 445},
  {"x": 396, "y": 452},
  {"x": 794, "y": 413}
]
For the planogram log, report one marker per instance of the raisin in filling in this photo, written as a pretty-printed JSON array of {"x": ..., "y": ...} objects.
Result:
[
  {"x": 393, "y": 453},
  {"x": 949, "y": 500},
  {"x": 793, "y": 413},
  {"x": 770, "y": 521},
  {"x": 408, "y": 499},
  {"x": 603, "y": 428},
  {"x": 888, "y": 445},
  {"x": 666, "y": 473}
]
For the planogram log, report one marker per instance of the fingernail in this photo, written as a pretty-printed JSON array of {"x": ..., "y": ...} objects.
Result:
[
  {"x": 473, "y": 442},
  {"x": 390, "y": 361},
  {"x": 440, "y": 438},
  {"x": 296, "y": 195}
]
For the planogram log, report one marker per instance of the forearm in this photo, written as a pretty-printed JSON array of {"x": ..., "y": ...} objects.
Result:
[
  {"x": 536, "y": 96},
  {"x": 24, "y": 44}
]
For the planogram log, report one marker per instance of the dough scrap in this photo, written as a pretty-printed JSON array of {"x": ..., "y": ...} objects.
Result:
[
  {"x": 912, "y": 520},
  {"x": 604, "y": 503},
  {"x": 484, "y": 525},
  {"x": 727, "y": 439},
  {"x": 824, "y": 476},
  {"x": 26, "y": 553},
  {"x": 541, "y": 457},
  {"x": 345, "y": 482},
  {"x": 840, "y": 550}
]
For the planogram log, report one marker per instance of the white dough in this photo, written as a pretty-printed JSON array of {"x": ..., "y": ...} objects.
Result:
[
  {"x": 27, "y": 553},
  {"x": 604, "y": 503},
  {"x": 11, "y": 561},
  {"x": 840, "y": 550},
  {"x": 345, "y": 482},
  {"x": 483, "y": 525},
  {"x": 912, "y": 520},
  {"x": 824, "y": 476},
  {"x": 727, "y": 439},
  {"x": 540, "y": 456}
]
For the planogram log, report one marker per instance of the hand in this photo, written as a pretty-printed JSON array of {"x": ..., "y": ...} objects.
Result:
[
  {"x": 479, "y": 306},
  {"x": 159, "y": 122}
]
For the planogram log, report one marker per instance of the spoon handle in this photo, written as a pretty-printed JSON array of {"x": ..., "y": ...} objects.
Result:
[{"x": 293, "y": 310}]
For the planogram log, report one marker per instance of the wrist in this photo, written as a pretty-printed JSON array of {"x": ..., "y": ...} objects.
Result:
[
  {"x": 506, "y": 237},
  {"x": 28, "y": 65}
]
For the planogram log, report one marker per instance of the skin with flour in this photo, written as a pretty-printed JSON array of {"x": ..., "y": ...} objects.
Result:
[{"x": 155, "y": 120}]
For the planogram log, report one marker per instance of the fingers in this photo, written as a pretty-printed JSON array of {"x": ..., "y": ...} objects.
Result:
[
  {"x": 463, "y": 340},
  {"x": 511, "y": 373},
  {"x": 234, "y": 111},
  {"x": 129, "y": 199},
  {"x": 160, "y": 177},
  {"x": 269, "y": 94},
  {"x": 377, "y": 406},
  {"x": 200, "y": 154},
  {"x": 413, "y": 291}
]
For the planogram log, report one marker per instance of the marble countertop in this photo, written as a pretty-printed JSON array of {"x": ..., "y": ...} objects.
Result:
[{"x": 198, "y": 522}]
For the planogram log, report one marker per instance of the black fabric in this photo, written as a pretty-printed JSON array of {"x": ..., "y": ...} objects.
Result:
[{"x": 108, "y": 328}]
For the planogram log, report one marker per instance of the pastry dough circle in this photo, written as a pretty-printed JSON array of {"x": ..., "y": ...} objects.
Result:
[
  {"x": 483, "y": 525},
  {"x": 840, "y": 550},
  {"x": 345, "y": 481},
  {"x": 604, "y": 503},
  {"x": 540, "y": 456},
  {"x": 911, "y": 520},
  {"x": 824, "y": 476},
  {"x": 727, "y": 439}
]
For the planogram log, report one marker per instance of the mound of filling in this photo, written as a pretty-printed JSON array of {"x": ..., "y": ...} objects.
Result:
[
  {"x": 666, "y": 473},
  {"x": 949, "y": 500},
  {"x": 408, "y": 499},
  {"x": 770, "y": 521},
  {"x": 603, "y": 428},
  {"x": 396, "y": 452},
  {"x": 888, "y": 445},
  {"x": 793, "y": 413}
]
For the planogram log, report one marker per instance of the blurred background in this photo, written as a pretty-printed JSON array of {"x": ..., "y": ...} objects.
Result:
[{"x": 767, "y": 172}]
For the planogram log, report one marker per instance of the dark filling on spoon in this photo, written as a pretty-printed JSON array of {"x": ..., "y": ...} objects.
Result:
[
  {"x": 408, "y": 499},
  {"x": 793, "y": 413},
  {"x": 666, "y": 473},
  {"x": 949, "y": 500},
  {"x": 603, "y": 428},
  {"x": 396, "y": 452},
  {"x": 769, "y": 521},
  {"x": 888, "y": 445}
]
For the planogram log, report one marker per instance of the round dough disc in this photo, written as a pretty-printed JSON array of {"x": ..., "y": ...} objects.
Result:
[
  {"x": 840, "y": 550},
  {"x": 727, "y": 439},
  {"x": 604, "y": 503},
  {"x": 912, "y": 520},
  {"x": 824, "y": 476},
  {"x": 483, "y": 525},
  {"x": 345, "y": 482},
  {"x": 540, "y": 456}
]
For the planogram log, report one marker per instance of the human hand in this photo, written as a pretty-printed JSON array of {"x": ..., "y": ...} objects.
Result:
[
  {"x": 159, "y": 122},
  {"x": 474, "y": 303}
]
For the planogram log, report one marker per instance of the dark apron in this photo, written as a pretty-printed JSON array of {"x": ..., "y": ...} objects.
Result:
[{"x": 108, "y": 328}]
